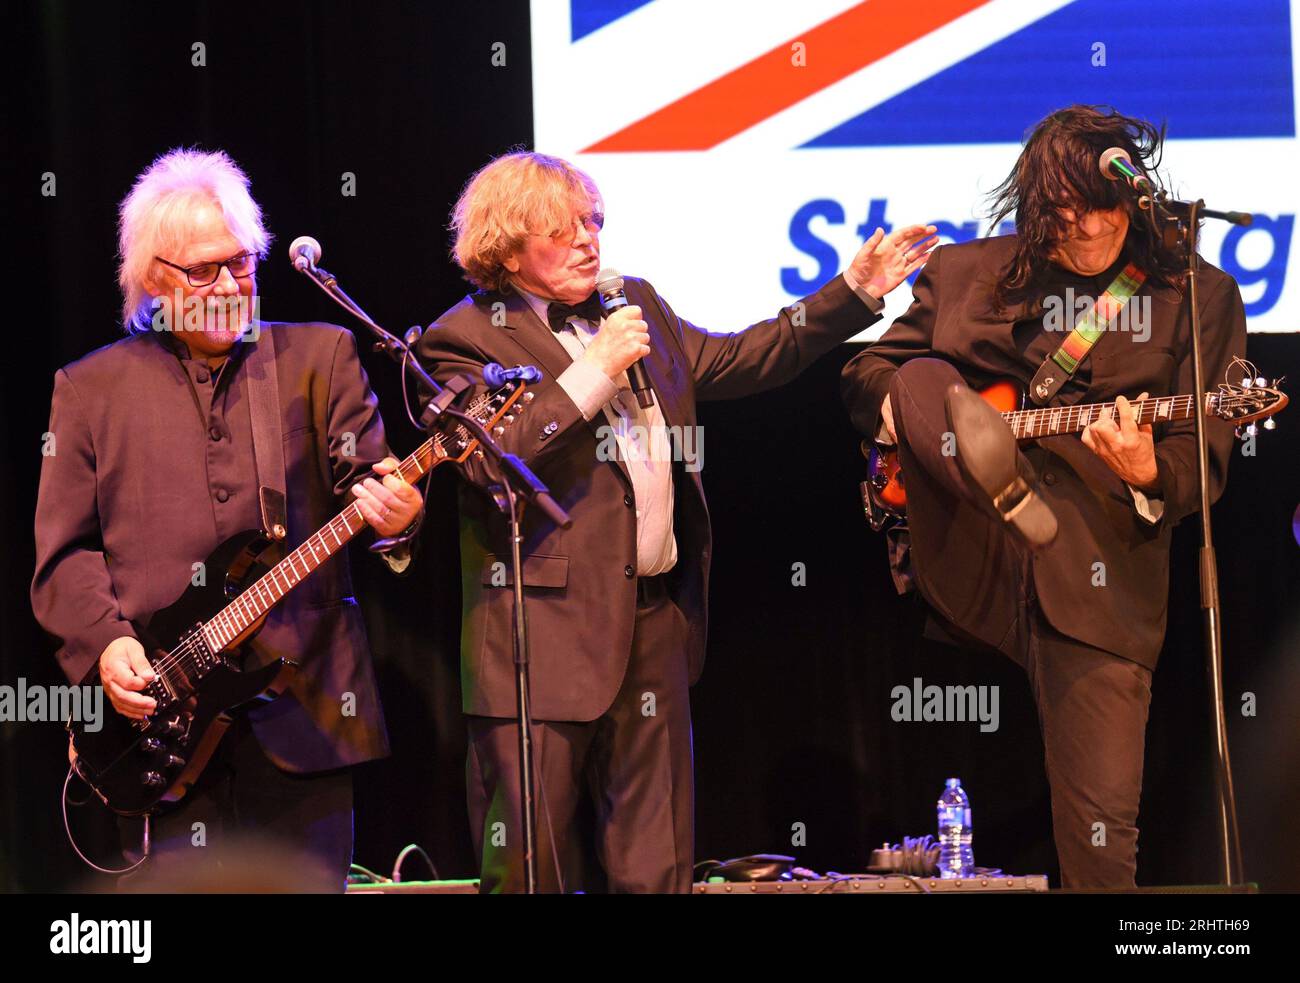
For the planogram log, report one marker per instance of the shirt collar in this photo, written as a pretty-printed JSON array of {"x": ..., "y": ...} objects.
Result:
[{"x": 537, "y": 304}]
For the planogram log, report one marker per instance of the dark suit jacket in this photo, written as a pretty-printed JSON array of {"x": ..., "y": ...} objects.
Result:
[
  {"x": 952, "y": 318},
  {"x": 132, "y": 498},
  {"x": 581, "y": 583}
]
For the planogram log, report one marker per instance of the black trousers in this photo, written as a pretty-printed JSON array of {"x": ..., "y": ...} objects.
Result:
[
  {"x": 633, "y": 764},
  {"x": 247, "y": 826},
  {"x": 1092, "y": 704}
]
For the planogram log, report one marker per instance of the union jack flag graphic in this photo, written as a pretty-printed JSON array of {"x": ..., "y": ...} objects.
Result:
[
  {"x": 782, "y": 132},
  {"x": 692, "y": 75}
]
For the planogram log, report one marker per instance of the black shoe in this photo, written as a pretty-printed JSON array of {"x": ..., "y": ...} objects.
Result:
[{"x": 987, "y": 456}]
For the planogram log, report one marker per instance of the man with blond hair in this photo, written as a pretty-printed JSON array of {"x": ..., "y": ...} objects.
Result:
[
  {"x": 153, "y": 466},
  {"x": 616, "y": 604}
]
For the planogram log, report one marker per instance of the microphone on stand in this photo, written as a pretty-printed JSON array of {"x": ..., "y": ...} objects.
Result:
[
  {"x": 609, "y": 287},
  {"x": 304, "y": 253},
  {"x": 1118, "y": 166}
]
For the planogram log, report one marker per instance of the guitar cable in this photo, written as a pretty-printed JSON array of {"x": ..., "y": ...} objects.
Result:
[{"x": 67, "y": 828}]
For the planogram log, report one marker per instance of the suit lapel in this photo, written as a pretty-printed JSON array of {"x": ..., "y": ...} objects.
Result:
[{"x": 535, "y": 337}]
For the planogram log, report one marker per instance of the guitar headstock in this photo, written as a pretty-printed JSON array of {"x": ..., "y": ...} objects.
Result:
[
  {"x": 494, "y": 411},
  {"x": 1249, "y": 398}
]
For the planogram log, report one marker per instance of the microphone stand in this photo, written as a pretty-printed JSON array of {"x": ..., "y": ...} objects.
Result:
[
  {"x": 516, "y": 482},
  {"x": 1178, "y": 222}
]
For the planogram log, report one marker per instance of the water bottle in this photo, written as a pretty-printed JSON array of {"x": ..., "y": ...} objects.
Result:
[{"x": 955, "y": 856}]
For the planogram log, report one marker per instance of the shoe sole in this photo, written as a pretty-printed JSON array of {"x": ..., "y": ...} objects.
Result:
[{"x": 986, "y": 455}]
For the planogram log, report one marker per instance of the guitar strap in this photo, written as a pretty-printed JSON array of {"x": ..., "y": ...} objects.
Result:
[
  {"x": 1065, "y": 361},
  {"x": 268, "y": 446}
]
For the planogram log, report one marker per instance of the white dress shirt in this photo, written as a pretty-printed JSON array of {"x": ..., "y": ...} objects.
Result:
[{"x": 640, "y": 435}]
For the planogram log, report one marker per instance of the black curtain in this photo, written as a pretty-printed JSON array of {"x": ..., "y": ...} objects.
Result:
[{"x": 794, "y": 739}]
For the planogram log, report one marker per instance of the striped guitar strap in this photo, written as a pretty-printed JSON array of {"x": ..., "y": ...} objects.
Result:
[{"x": 1065, "y": 361}]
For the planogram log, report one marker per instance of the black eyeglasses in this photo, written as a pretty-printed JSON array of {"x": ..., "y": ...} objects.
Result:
[{"x": 203, "y": 274}]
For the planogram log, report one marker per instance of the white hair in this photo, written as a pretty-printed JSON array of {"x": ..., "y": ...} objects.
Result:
[{"x": 155, "y": 218}]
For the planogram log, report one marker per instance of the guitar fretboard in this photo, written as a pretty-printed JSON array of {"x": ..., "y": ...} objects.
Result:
[
  {"x": 245, "y": 610},
  {"x": 1049, "y": 421}
]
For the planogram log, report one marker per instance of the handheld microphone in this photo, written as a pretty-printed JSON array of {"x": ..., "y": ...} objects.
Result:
[
  {"x": 609, "y": 285},
  {"x": 1116, "y": 165},
  {"x": 304, "y": 253},
  {"x": 496, "y": 376}
]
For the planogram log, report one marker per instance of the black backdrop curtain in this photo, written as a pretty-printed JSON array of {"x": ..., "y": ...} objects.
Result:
[{"x": 792, "y": 722}]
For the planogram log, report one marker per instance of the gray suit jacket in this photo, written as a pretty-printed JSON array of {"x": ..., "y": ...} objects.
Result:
[{"x": 138, "y": 490}]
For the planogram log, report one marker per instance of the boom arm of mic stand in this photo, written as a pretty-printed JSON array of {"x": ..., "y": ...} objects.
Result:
[{"x": 512, "y": 469}]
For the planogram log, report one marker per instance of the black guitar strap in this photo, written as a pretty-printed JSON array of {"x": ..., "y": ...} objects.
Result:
[{"x": 268, "y": 446}]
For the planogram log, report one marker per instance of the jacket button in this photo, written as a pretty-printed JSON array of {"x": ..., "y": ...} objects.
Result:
[
  {"x": 1049, "y": 478},
  {"x": 627, "y": 500},
  {"x": 201, "y": 377},
  {"x": 215, "y": 433},
  {"x": 629, "y": 571},
  {"x": 222, "y": 495}
]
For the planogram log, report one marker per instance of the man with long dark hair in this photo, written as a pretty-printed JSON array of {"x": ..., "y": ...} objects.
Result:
[{"x": 1058, "y": 556}]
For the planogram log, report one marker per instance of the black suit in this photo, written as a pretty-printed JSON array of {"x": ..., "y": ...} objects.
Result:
[
  {"x": 952, "y": 319},
  {"x": 1086, "y": 616},
  {"x": 584, "y": 620}
]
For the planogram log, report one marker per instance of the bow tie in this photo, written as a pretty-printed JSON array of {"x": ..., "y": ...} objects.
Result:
[{"x": 557, "y": 314}]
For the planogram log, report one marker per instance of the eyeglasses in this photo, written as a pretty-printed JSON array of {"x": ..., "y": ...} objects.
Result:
[
  {"x": 593, "y": 222},
  {"x": 203, "y": 274}
]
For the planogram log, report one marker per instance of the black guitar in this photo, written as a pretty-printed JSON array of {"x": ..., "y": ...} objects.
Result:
[{"x": 194, "y": 644}]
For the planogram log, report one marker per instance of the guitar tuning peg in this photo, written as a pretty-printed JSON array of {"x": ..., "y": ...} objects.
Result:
[
  {"x": 1246, "y": 382},
  {"x": 1251, "y": 430},
  {"x": 1260, "y": 382},
  {"x": 1270, "y": 424}
]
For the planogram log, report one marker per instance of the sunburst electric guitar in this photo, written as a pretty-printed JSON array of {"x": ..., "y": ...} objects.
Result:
[{"x": 884, "y": 493}]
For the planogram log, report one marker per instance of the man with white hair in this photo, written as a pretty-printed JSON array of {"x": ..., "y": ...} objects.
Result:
[
  {"x": 617, "y": 604},
  {"x": 153, "y": 466}
]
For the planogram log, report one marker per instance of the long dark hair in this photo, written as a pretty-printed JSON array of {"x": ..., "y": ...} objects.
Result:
[{"x": 1059, "y": 169}]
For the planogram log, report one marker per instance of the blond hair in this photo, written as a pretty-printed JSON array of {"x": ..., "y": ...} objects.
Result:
[
  {"x": 154, "y": 219},
  {"x": 516, "y": 195}
]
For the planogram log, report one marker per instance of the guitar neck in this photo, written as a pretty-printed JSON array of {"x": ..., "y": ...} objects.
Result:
[
  {"x": 1049, "y": 421},
  {"x": 244, "y": 611}
]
